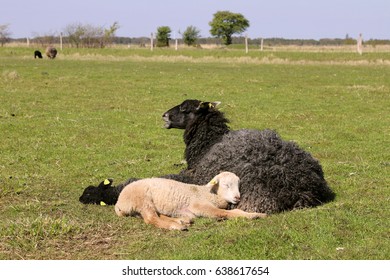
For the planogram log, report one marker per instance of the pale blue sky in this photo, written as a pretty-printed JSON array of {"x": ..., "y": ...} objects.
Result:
[{"x": 305, "y": 19}]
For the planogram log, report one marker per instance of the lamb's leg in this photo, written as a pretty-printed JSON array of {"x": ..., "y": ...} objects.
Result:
[
  {"x": 210, "y": 211},
  {"x": 151, "y": 217},
  {"x": 249, "y": 215},
  {"x": 179, "y": 220}
]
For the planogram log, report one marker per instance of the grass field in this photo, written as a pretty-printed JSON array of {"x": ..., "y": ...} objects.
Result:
[{"x": 93, "y": 114}]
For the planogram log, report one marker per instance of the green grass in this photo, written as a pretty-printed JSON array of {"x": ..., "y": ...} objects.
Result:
[{"x": 92, "y": 114}]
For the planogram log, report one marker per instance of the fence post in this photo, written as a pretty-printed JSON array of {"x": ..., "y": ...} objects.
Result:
[
  {"x": 261, "y": 44},
  {"x": 61, "y": 41},
  {"x": 360, "y": 44},
  {"x": 246, "y": 43},
  {"x": 151, "y": 41}
]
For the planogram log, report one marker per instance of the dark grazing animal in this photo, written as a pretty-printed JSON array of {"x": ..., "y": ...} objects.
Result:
[
  {"x": 51, "y": 52},
  {"x": 37, "y": 54},
  {"x": 276, "y": 175}
]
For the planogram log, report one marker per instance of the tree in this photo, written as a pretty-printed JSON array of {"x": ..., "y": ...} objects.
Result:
[
  {"x": 225, "y": 24},
  {"x": 163, "y": 36},
  {"x": 4, "y": 34},
  {"x": 191, "y": 35},
  {"x": 75, "y": 32},
  {"x": 90, "y": 36},
  {"x": 109, "y": 33},
  {"x": 93, "y": 36}
]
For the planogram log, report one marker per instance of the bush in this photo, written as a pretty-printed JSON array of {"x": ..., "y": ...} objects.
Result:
[{"x": 163, "y": 36}]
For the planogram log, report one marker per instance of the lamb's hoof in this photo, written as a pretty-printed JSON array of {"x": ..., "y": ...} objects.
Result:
[
  {"x": 185, "y": 221},
  {"x": 179, "y": 227},
  {"x": 258, "y": 215}
]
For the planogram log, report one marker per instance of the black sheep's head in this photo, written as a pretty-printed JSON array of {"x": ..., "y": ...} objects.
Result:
[
  {"x": 180, "y": 115},
  {"x": 95, "y": 195}
]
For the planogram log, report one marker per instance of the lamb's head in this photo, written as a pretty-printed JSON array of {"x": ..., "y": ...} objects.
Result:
[
  {"x": 226, "y": 185},
  {"x": 94, "y": 195},
  {"x": 181, "y": 115}
]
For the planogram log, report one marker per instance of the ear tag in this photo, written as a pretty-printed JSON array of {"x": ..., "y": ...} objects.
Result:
[
  {"x": 213, "y": 182},
  {"x": 102, "y": 203},
  {"x": 106, "y": 182},
  {"x": 211, "y": 106}
]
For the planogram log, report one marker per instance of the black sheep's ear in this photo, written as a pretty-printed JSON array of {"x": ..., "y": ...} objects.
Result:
[
  {"x": 214, "y": 104},
  {"x": 208, "y": 105}
]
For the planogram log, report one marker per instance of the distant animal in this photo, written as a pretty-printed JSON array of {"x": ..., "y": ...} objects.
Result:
[
  {"x": 51, "y": 52},
  {"x": 170, "y": 204},
  {"x": 37, "y": 54}
]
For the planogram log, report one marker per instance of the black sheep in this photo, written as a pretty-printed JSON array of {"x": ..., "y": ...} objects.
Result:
[
  {"x": 275, "y": 175},
  {"x": 37, "y": 54}
]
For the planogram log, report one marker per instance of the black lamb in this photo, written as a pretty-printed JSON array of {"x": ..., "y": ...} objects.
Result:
[
  {"x": 275, "y": 175},
  {"x": 104, "y": 192},
  {"x": 37, "y": 54}
]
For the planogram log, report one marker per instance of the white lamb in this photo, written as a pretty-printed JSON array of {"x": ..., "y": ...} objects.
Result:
[{"x": 171, "y": 204}]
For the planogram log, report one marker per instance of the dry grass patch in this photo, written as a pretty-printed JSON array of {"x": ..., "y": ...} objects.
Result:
[{"x": 266, "y": 60}]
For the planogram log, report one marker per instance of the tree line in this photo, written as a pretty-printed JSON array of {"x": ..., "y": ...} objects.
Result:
[
  {"x": 224, "y": 26},
  {"x": 236, "y": 40}
]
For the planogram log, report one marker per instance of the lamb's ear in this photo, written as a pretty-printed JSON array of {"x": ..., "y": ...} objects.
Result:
[
  {"x": 214, "y": 184},
  {"x": 106, "y": 183}
]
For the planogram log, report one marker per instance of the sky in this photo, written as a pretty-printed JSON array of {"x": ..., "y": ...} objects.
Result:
[{"x": 290, "y": 19}]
